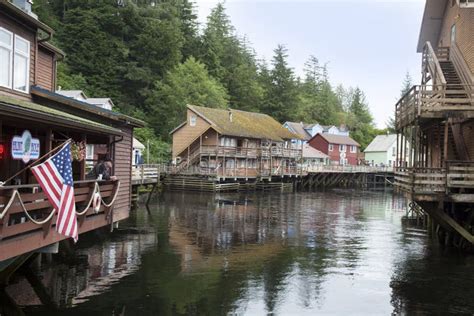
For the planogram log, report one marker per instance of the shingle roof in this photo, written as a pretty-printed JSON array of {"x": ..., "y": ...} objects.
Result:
[
  {"x": 311, "y": 152},
  {"x": 298, "y": 128},
  {"x": 381, "y": 143},
  {"x": 339, "y": 139},
  {"x": 244, "y": 124}
]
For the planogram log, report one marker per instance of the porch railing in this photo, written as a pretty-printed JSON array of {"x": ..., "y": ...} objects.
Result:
[
  {"x": 429, "y": 99},
  {"x": 25, "y": 212},
  {"x": 457, "y": 175}
]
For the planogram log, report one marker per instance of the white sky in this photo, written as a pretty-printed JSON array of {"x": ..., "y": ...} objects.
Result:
[{"x": 367, "y": 43}]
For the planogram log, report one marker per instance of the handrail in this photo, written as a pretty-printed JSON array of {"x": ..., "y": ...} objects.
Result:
[
  {"x": 460, "y": 65},
  {"x": 431, "y": 62}
]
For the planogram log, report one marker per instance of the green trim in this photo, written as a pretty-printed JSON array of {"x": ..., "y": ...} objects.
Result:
[{"x": 36, "y": 110}]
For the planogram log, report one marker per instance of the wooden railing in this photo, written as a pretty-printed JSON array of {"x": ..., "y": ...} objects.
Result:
[
  {"x": 457, "y": 175},
  {"x": 430, "y": 63},
  {"x": 347, "y": 169},
  {"x": 26, "y": 214},
  {"x": 460, "y": 65},
  {"x": 250, "y": 152},
  {"x": 431, "y": 100}
]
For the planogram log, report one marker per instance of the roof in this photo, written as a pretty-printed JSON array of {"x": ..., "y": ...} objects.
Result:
[
  {"x": 244, "y": 124},
  {"x": 25, "y": 109},
  {"x": 38, "y": 91},
  {"x": 381, "y": 143},
  {"x": 338, "y": 139},
  {"x": 105, "y": 103},
  {"x": 75, "y": 94},
  {"x": 311, "y": 152},
  {"x": 431, "y": 23},
  {"x": 30, "y": 19},
  {"x": 298, "y": 128},
  {"x": 137, "y": 144}
]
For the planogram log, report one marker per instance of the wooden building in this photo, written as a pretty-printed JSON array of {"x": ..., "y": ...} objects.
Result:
[
  {"x": 233, "y": 144},
  {"x": 436, "y": 170},
  {"x": 33, "y": 120},
  {"x": 342, "y": 150}
]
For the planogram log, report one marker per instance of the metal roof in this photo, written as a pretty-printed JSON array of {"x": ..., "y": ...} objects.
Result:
[
  {"x": 311, "y": 152},
  {"x": 381, "y": 143}
]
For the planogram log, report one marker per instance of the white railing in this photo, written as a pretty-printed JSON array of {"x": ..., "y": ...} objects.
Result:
[{"x": 346, "y": 169}]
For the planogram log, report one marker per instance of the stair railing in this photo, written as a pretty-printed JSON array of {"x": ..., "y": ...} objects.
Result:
[{"x": 432, "y": 66}]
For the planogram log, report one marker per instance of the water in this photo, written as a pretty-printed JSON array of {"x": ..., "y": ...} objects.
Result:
[{"x": 334, "y": 253}]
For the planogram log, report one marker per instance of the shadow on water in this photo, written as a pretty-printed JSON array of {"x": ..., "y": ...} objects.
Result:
[{"x": 335, "y": 252}]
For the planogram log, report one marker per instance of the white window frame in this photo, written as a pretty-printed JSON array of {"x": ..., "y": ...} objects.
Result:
[
  {"x": 192, "y": 120},
  {"x": 342, "y": 148},
  {"x": 27, "y": 55},
  {"x": 10, "y": 49},
  {"x": 331, "y": 147},
  {"x": 452, "y": 35},
  {"x": 353, "y": 149}
]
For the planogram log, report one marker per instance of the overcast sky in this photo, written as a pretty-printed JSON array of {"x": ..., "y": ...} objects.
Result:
[{"x": 367, "y": 43}]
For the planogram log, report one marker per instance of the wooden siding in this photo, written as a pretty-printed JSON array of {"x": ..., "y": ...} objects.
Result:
[
  {"x": 45, "y": 69},
  {"x": 322, "y": 145},
  {"x": 122, "y": 169},
  {"x": 186, "y": 134},
  {"x": 28, "y": 34},
  {"x": 464, "y": 20}
]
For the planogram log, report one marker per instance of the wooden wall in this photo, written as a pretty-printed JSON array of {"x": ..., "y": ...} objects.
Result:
[
  {"x": 45, "y": 69},
  {"x": 122, "y": 169},
  {"x": 183, "y": 137},
  {"x": 464, "y": 20},
  {"x": 28, "y": 34}
]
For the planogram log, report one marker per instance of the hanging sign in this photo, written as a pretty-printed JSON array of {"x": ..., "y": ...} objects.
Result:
[{"x": 25, "y": 147}]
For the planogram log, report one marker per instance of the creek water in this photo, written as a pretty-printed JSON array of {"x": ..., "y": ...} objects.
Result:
[{"x": 330, "y": 253}]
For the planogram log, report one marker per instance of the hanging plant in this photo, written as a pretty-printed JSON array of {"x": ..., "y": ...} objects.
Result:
[{"x": 78, "y": 150}]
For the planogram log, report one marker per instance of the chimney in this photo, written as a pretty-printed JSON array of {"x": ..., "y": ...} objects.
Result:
[
  {"x": 230, "y": 115},
  {"x": 25, "y": 6}
]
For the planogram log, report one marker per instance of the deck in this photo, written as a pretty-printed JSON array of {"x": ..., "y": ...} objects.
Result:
[{"x": 27, "y": 220}]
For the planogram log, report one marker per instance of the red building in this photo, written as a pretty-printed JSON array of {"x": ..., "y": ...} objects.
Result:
[{"x": 341, "y": 150}]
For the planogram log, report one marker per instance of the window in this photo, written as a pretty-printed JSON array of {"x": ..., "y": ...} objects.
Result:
[
  {"x": 342, "y": 148},
  {"x": 331, "y": 147},
  {"x": 353, "y": 149},
  {"x": 14, "y": 61},
  {"x": 394, "y": 151},
  {"x": 453, "y": 34},
  {"x": 6, "y": 49},
  {"x": 21, "y": 71},
  {"x": 192, "y": 120}
]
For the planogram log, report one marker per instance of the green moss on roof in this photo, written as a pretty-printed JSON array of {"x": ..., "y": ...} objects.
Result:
[
  {"x": 244, "y": 124},
  {"x": 35, "y": 107}
]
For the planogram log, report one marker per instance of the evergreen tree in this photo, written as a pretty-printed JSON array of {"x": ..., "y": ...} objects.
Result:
[
  {"x": 187, "y": 83},
  {"x": 281, "y": 99},
  {"x": 406, "y": 86},
  {"x": 360, "y": 120}
]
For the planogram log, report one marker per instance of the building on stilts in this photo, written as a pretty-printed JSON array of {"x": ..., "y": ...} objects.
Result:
[{"x": 435, "y": 124}]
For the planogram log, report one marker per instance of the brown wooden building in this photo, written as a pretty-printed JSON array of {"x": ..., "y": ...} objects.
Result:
[
  {"x": 233, "y": 144},
  {"x": 31, "y": 112},
  {"x": 436, "y": 118}
]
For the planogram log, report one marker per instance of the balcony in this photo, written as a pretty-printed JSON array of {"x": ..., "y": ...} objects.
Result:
[
  {"x": 455, "y": 181},
  {"x": 27, "y": 219},
  {"x": 434, "y": 101}
]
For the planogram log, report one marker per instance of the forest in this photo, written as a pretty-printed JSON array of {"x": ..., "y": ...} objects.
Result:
[{"x": 152, "y": 57}]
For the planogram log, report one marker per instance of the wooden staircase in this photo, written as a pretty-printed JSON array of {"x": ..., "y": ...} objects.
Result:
[{"x": 453, "y": 81}]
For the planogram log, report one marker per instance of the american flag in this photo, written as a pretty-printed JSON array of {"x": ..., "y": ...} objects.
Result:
[{"x": 55, "y": 178}]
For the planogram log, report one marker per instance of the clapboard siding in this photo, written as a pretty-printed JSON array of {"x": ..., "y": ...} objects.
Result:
[
  {"x": 122, "y": 169},
  {"x": 187, "y": 133},
  {"x": 28, "y": 34},
  {"x": 45, "y": 67}
]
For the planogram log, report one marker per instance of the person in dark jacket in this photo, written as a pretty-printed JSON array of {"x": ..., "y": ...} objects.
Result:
[{"x": 102, "y": 171}]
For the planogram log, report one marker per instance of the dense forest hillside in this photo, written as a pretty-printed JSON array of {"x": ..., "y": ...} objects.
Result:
[{"x": 152, "y": 58}]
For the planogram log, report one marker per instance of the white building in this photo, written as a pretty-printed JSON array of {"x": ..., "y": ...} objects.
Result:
[{"x": 382, "y": 151}]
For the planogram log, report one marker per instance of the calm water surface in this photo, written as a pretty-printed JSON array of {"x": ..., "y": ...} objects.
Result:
[{"x": 337, "y": 253}]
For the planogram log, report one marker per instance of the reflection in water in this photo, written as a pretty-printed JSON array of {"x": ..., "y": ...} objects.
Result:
[{"x": 338, "y": 252}]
